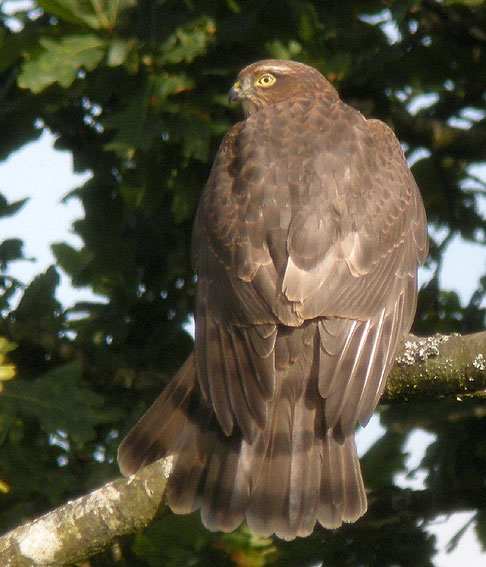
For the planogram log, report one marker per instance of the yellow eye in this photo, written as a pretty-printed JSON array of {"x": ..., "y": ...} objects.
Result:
[{"x": 266, "y": 80}]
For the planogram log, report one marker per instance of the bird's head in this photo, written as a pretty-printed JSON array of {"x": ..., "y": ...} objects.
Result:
[{"x": 271, "y": 81}]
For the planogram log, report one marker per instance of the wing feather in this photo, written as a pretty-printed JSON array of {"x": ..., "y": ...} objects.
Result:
[
  {"x": 282, "y": 239},
  {"x": 234, "y": 379},
  {"x": 348, "y": 365}
]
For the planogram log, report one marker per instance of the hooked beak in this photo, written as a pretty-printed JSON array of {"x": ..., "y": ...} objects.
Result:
[{"x": 235, "y": 93}]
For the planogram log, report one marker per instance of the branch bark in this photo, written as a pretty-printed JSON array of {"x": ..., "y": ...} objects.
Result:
[
  {"x": 435, "y": 367},
  {"x": 438, "y": 367},
  {"x": 80, "y": 528}
]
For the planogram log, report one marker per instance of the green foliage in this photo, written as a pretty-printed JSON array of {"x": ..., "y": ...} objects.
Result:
[
  {"x": 190, "y": 544},
  {"x": 137, "y": 92},
  {"x": 384, "y": 460},
  {"x": 38, "y": 302},
  {"x": 10, "y": 249},
  {"x": 7, "y": 370},
  {"x": 187, "y": 42},
  {"x": 96, "y": 15},
  {"x": 9, "y": 209},
  {"x": 57, "y": 401},
  {"x": 60, "y": 61},
  {"x": 384, "y": 537}
]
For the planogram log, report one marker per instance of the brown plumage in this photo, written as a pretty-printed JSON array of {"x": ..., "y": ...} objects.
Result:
[{"x": 306, "y": 245}]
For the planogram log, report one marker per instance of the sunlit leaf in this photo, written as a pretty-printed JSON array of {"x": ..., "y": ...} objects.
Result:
[
  {"x": 7, "y": 370},
  {"x": 117, "y": 52},
  {"x": 79, "y": 12},
  {"x": 188, "y": 41},
  {"x": 60, "y": 61},
  {"x": 96, "y": 15}
]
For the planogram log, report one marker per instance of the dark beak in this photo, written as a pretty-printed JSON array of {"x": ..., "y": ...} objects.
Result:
[{"x": 234, "y": 94}]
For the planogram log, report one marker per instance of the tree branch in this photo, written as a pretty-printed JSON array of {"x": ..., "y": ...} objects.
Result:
[
  {"x": 436, "y": 367},
  {"x": 437, "y": 135},
  {"x": 78, "y": 529}
]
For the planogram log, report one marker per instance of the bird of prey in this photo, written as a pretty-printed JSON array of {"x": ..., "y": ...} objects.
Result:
[{"x": 306, "y": 245}]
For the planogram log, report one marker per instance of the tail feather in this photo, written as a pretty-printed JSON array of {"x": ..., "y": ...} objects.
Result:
[
  {"x": 290, "y": 474},
  {"x": 158, "y": 432},
  {"x": 228, "y": 485},
  {"x": 342, "y": 495},
  {"x": 189, "y": 471},
  {"x": 268, "y": 507}
]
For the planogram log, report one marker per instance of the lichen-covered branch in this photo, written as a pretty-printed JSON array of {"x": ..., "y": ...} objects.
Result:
[
  {"x": 435, "y": 367},
  {"x": 81, "y": 527}
]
